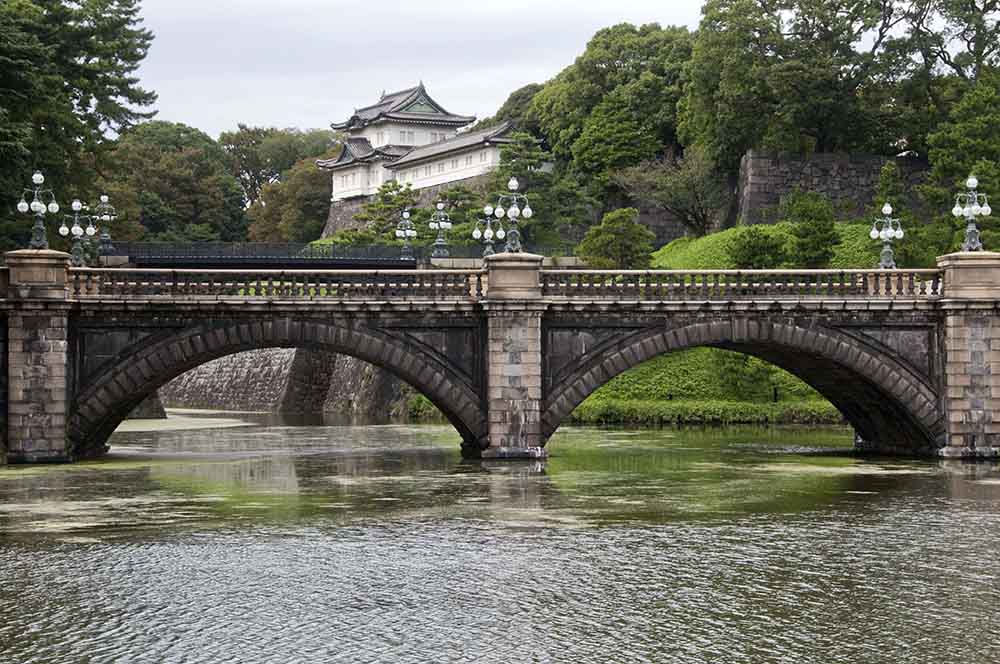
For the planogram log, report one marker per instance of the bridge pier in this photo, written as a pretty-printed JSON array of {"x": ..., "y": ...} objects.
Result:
[
  {"x": 514, "y": 311},
  {"x": 37, "y": 357},
  {"x": 971, "y": 398}
]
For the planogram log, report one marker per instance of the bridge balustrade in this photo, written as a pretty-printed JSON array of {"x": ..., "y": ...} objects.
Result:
[
  {"x": 741, "y": 284},
  {"x": 111, "y": 283}
]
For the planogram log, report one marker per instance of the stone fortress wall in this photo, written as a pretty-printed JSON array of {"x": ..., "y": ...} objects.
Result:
[
  {"x": 292, "y": 381},
  {"x": 850, "y": 181}
]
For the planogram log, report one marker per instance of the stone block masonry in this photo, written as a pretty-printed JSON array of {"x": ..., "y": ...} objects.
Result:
[
  {"x": 37, "y": 357},
  {"x": 37, "y": 386},
  {"x": 848, "y": 180},
  {"x": 515, "y": 379},
  {"x": 972, "y": 355},
  {"x": 514, "y": 356}
]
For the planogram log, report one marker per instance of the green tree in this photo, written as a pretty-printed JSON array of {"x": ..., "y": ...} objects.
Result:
[
  {"x": 789, "y": 74},
  {"x": 813, "y": 231},
  {"x": 614, "y": 136},
  {"x": 754, "y": 248},
  {"x": 968, "y": 143},
  {"x": 295, "y": 208},
  {"x": 67, "y": 86},
  {"x": 618, "y": 242},
  {"x": 645, "y": 61},
  {"x": 167, "y": 178},
  {"x": 561, "y": 205},
  {"x": 384, "y": 210},
  {"x": 517, "y": 110},
  {"x": 688, "y": 188},
  {"x": 263, "y": 155}
]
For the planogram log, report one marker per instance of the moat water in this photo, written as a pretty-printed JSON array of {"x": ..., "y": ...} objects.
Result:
[{"x": 249, "y": 542}]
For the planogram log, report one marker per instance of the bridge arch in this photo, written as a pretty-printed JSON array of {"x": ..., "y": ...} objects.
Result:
[
  {"x": 107, "y": 398},
  {"x": 890, "y": 406}
]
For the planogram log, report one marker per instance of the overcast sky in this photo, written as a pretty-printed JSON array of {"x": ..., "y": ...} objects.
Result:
[{"x": 307, "y": 63}]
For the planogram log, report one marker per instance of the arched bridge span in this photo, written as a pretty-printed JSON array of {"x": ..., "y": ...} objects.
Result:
[
  {"x": 882, "y": 384},
  {"x": 911, "y": 357}
]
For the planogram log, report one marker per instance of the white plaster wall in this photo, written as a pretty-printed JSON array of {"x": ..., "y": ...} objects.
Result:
[
  {"x": 390, "y": 133},
  {"x": 362, "y": 180},
  {"x": 444, "y": 170}
]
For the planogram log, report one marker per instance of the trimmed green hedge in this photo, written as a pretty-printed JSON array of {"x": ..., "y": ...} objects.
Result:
[
  {"x": 856, "y": 249},
  {"x": 665, "y": 413}
]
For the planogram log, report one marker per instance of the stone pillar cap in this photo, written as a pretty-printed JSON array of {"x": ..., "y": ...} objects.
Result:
[
  {"x": 968, "y": 257},
  {"x": 36, "y": 254},
  {"x": 519, "y": 257}
]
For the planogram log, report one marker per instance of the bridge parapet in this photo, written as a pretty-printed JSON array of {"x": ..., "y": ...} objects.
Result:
[
  {"x": 729, "y": 285},
  {"x": 332, "y": 285}
]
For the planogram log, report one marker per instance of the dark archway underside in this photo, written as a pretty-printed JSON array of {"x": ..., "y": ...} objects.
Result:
[
  {"x": 888, "y": 404},
  {"x": 142, "y": 368}
]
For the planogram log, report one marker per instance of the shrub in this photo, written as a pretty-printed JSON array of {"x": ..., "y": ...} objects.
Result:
[{"x": 755, "y": 249}]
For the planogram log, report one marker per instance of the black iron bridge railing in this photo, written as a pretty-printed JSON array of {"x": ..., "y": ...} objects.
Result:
[{"x": 291, "y": 255}]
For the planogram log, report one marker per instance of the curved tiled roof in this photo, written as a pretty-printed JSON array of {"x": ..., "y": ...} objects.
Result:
[
  {"x": 392, "y": 106},
  {"x": 360, "y": 150},
  {"x": 461, "y": 142}
]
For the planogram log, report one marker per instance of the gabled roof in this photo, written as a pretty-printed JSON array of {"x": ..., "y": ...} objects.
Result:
[
  {"x": 409, "y": 105},
  {"x": 360, "y": 150},
  {"x": 473, "y": 139}
]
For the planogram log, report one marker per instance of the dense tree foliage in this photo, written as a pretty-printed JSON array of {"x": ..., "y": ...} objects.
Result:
[
  {"x": 263, "y": 155},
  {"x": 385, "y": 209},
  {"x": 689, "y": 188},
  {"x": 561, "y": 205},
  {"x": 616, "y": 104},
  {"x": 813, "y": 233},
  {"x": 755, "y": 249},
  {"x": 516, "y": 110},
  {"x": 67, "y": 86},
  {"x": 788, "y": 74},
  {"x": 171, "y": 182},
  {"x": 295, "y": 208},
  {"x": 618, "y": 242}
]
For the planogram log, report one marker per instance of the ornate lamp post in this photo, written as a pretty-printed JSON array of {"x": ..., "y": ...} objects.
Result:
[
  {"x": 83, "y": 251},
  {"x": 970, "y": 205},
  {"x": 516, "y": 206},
  {"x": 78, "y": 258},
  {"x": 440, "y": 222},
  {"x": 886, "y": 230},
  {"x": 484, "y": 232},
  {"x": 105, "y": 213},
  {"x": 406, "y": 232},
  {"x": 38, "y": 207}
]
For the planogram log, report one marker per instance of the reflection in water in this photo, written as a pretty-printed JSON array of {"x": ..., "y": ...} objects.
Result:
[{"x": 287, "y": 543}]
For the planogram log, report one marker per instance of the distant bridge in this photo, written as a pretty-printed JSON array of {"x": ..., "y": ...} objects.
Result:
[
  {"x": 910, "y": 357},
  {"x": 286, "y": 255}
]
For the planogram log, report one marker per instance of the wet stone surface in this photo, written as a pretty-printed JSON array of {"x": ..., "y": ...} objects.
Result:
[{"x": 220, "y": 539}]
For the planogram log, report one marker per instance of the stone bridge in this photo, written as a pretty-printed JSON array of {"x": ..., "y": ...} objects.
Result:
[{"x": 910, "y": 357}]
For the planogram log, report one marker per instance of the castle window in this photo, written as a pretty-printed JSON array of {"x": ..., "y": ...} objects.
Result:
[
  {"x": 482, "y": 156},
  {"x": 409, "y": 135},
  {"x": 454, "y": 163},
  {"x": 402, "y": 136},
  {"x": 427, "y": 170},
  {"x": 441, "y": 167},
  {"x": 468, "y": 160}
]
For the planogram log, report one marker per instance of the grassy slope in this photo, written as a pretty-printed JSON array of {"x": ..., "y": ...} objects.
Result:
[{"x": 691, "y": 386}]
